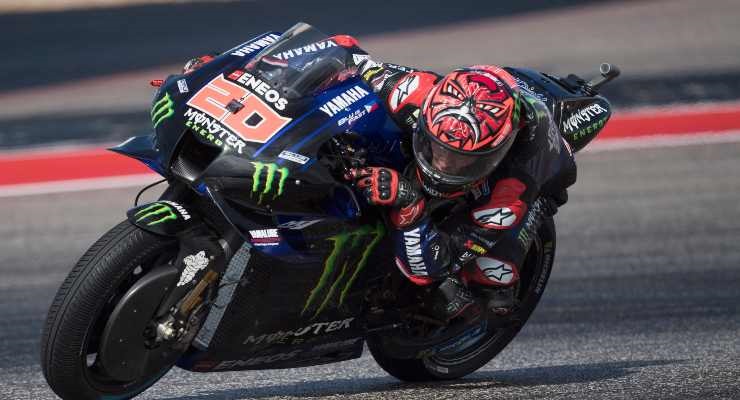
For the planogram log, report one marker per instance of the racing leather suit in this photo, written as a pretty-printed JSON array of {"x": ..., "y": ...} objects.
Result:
[{"x": 485, "y": 232}]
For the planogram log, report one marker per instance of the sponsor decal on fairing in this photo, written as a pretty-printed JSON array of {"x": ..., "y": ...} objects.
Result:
[
  {"x": 268, "y": 359},
  {"x": 344, "y": 100},
  {"x": 180, "y": 209},
  {"x": 315, "y": 329},
  {"x": 211, "y": 130},
  {"x": 367, "y": 237},
  {"x": 307, "y": 49},
  {"x": 256, "y": 45},
  {"x": 193, "y": 264},
  {"x": 162, "y": 109},
  {"x": 182, "y": 86},
  {"x": 265, "y": 237},
  {"x": 256, "y": 360},
  {"x": 259, "y": 87},
  {"x": 357, "y": 114},
  {"x": 295, "y": 157},
  {"x": 249, "y": 112},
  {"x": 161, "y": 211},
  {"x": 298, "y": 225},
  {"x": 272, "y": 172},
  {"x": 573, "y": 123}
]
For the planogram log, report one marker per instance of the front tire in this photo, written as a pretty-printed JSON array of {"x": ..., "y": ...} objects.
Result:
[
  {"x": 452, "y": 365},
  {"x": 80, "y": 310}
]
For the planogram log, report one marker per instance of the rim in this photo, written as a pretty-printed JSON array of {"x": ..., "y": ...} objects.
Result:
[{"x": 93, "y": 371}]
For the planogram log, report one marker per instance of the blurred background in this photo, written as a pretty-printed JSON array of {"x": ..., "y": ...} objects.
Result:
[
  {"x": 644, "y": 299},
  {"x": 84, "y": 71}
]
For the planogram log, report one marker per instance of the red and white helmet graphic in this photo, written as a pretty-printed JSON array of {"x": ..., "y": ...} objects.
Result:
[{"x": 468, "y": 123}]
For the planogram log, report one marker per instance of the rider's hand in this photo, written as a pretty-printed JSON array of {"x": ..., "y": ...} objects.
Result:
[
  {"x": 384, "y": 186},
  {"x": 198, "y": 62}
]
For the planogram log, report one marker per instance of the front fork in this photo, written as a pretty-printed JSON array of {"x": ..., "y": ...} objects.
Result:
[{"x": 201, "y": 260}]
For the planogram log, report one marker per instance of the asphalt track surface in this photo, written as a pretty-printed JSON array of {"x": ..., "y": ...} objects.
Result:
[{"x": 643, "y": 301}]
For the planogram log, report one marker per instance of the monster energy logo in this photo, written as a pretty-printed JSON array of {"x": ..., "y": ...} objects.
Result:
[
  {"x": 162, "y": 109},
  {"x": 344, "y": 242},
  {"x": 271, "y": 169},
  {"x": 158, "y": 212}
]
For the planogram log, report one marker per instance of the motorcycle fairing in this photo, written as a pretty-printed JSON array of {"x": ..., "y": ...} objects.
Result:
[
  {"x": 580, "y": 116},
  {"x": 250, "y": 336},
  {"x": 310, "y": 275}
]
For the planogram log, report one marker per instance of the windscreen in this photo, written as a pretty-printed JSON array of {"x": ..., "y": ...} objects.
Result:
[{"x": 303, "y": 62}]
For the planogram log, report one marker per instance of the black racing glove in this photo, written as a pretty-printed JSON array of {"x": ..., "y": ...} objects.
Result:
[{"x": 386, "y": 187}]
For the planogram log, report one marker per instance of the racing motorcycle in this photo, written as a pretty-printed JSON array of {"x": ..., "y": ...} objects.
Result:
[{"x": 258, "y": 254}]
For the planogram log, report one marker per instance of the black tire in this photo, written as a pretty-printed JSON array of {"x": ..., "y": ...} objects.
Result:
[
  {"x": 534, "y": 276},
  {"x": 82, "y": 305}
]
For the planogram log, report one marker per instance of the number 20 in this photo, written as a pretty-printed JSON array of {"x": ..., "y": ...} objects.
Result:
[{"x": 254, "y": 122}]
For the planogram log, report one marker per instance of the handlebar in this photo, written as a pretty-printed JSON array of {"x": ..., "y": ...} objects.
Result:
[{"x": 608, "y": 72}]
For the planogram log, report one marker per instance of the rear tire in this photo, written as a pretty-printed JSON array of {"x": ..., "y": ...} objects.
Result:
[
  {"x": 534, "y": 276},
  {"x": 80, "y": 310}
]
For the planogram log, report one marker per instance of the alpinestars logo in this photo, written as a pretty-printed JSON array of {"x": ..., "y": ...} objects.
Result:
[
  {"x": 403, "y": 90},
  {"x": 344, "y": 100},
  {"x": 193, "y": 264},
  {"x": 496, "y": 270},
  {"x": 499, "y": 217},
  {"x": 344, "y": 245},
  {"x": 412, "y": 240},
  {"x": 269, "y": 182},
  {"x": 162, "y": 109}
]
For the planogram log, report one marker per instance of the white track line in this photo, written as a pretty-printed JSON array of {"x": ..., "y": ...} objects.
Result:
[
  {"x": 77, "y": 185},
  {"x": 657, "y": 141},
  {"x": 117, "y": 182}
]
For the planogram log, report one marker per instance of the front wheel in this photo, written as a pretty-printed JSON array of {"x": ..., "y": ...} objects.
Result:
[
  {"x": 480, "y": 343},
  {"x": 78, "y": 315}
]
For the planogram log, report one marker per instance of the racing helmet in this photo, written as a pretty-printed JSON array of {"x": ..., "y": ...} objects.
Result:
[{"x": 468, "y": 122}]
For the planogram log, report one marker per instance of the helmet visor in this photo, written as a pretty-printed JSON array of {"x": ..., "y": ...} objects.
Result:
[{"x": 451, "y": 166}]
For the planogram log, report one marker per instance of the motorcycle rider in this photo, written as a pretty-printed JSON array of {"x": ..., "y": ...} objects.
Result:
[
  {"x": 490, "y": 165},
  {"x": 484, "y": 145}
]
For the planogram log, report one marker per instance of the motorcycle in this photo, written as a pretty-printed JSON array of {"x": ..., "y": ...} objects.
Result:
[{"x": 259, "y": 255}]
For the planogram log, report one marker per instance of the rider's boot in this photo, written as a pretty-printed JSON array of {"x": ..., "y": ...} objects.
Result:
[
  {"x": 500, "y": 300},
  {"x": 455, "y": 300}
]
